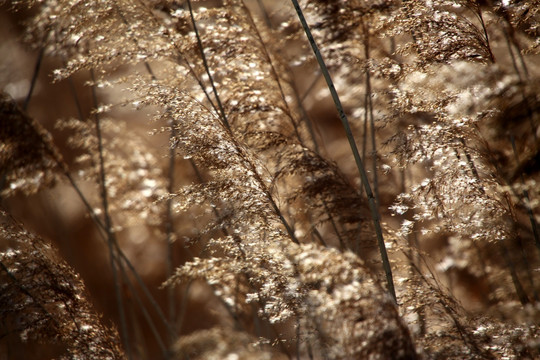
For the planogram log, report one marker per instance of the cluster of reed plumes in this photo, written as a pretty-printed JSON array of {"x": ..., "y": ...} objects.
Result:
[{"x": 270, "y": 180}]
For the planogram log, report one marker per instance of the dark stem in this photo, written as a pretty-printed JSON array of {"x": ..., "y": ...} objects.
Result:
[
  {"x": 274, "y": 73},
  {"x": 34, "y": 78},
  {"x": 169, "y": 228},
  {"x": 527, "y": 202},
  {"x": 207, "y": 69},
  {"x": 478, "y": 11},
  {"x": 111, "y": 239},
  {"x": 146, "y": 316},
  {"x": 522, "y": 296},
  {"x": 354, "y": 149},
  {"x": 369, "y": 110}
]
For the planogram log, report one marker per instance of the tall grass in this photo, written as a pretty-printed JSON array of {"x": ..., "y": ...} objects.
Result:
[{"x": 220, "y": 200}]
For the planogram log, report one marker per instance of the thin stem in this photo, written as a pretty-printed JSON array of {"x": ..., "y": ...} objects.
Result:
[
  {"x": 251, "y": 167},
  {"x": 298, "y": 325},
  {"x": 290, "y": 231},
  {"x": 310, "y": 87},
  {"x": 509, "y": 34},
  {"x": 365, "y": 127},
  {"x": 266, "y": 18},
  {"x": 305, "y": 117},
  {"x": 319, "y": 236},
  {"x": 513, "y": 57},
  {"x": 478, "y": 12},
  {"x": 225, "y": 123},
  {"x": 34, "y": 78},
  {"x": 527, "y": 202},
  {"x": 207, "y": 69},
  {"x": 274, "y": 73},
  {"x": 354, "y": 149},
  {"x": 102, "y": 226},
  {"x": 334, "y": 225},
  {"x": 169, "y": 228},
  {"x": 181, "y": 56},
  {"x": 283, "y": 97},
  {"x": 183, "y": 307},
  {"x": 520, "y": 292},
  {"x": 146, "y": 315},
  {"x": 111, "y": 239},
  {"x": 369, "y": 111},
  {"x": 73, "y": 91},
  {"x": 510, "y": 37}
]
